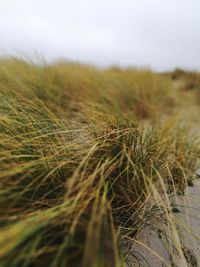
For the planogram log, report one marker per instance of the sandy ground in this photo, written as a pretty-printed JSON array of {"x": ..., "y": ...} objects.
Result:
[{"x": 176, "y": 245}]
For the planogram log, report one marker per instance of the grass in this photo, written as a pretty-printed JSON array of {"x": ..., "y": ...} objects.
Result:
[{"x": 80, "y": 150}]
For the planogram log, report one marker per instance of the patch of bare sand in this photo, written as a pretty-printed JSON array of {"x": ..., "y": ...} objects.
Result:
[{"x": 175, "y": 244}]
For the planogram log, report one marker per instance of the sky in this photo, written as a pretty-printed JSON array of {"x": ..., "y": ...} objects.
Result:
[{"x": 158, "y": 34}]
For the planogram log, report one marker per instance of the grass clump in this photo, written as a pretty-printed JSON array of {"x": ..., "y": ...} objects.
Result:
[{"x": 78, "y": 161}]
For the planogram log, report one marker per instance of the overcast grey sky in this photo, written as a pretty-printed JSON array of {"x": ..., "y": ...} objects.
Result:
[{"x": 161, "y": 34}]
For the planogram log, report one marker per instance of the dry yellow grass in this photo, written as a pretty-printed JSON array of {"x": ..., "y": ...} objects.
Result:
[{"x": 80, "y": 150}]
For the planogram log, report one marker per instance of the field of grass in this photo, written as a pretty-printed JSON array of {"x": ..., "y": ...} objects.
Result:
[{"x": 81, "y": 150}]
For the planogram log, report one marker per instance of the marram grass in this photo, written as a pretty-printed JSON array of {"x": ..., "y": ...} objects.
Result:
[{"x": 80, "y": 150}]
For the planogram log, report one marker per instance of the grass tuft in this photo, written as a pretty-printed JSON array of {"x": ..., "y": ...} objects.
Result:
[{"x": 80, "y": 150}]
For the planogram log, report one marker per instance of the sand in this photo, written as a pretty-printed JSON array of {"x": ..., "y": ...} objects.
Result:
[{"x": 177, "y": 245}]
